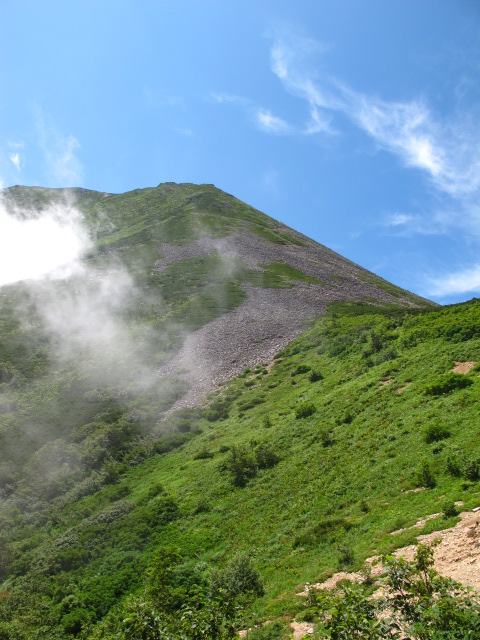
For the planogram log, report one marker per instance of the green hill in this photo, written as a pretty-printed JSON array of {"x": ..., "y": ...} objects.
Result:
[{"x": 331, "y": 398}]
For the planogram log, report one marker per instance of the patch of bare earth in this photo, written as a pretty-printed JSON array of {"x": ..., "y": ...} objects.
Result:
[
  {"x": 301, "y": 629},
  {"x": 456, "y": 556},
  {"x": 463, "y": 367},
  {"x": 405, "y": 386},
  {"x": 385, "y": 383}
]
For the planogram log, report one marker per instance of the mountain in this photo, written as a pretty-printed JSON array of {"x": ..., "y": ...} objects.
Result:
[
  {"x": 236, "y": 286},
  {"x": 208, "y": 379}
]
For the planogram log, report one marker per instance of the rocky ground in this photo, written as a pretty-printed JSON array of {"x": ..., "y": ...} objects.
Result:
[{"x": 269, "y": 318}]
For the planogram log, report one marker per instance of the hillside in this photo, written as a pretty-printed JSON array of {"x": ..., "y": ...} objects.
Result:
[
  {"x": 191, "y": 255},
  {"x": 331, "y": 401}
]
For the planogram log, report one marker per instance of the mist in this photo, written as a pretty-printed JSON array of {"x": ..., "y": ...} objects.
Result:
[{"x": 33, "y": 246}]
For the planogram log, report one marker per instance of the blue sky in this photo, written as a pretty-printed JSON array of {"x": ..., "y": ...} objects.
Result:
[{"x": 355, "y": 122}]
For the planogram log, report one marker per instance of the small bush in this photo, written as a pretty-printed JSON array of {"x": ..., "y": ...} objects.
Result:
[
  {"x": 326, "y": 437},
  {"x": 364, "y": 506},
  {"x": 345, "y": 557},
  {"x": 302, "y": 368},
  {"x": 425, "y": 475},
  {"x": 239, "y": 578},
  {"x": 242, "y": 464},
  {"x": 461, "y": 465},
  {"x": 448, "y": 383},
  {"x": 449, "y": 509},
  {"x": 215, "y": 414},
  {"x": 315, "y": 375},
  {"x": 203, "y": 454},
  {"x": 471, "y": 468},
  {"x": 202, "y": 507},
  {"x": 305, "y": 410},
  {"x": 435, "y": 433},
  {"x": 454, "y": 463},
  {"x": 265, "y": 457},
  {"x": 267, "y": 421}
]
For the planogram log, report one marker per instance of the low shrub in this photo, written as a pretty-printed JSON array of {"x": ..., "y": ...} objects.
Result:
[
  {"x": 435, "y": 433},
  {"x": 326, "y": 437},
  {"x": 268, "y": 632},
  {"x": 265, "y": 457},
  {"x": 203, "y": 454},
  {"x": 242, "y": 464},
  {"x": 471, "y": 468},
  {"x": 304, "y": 410},
  {"x": 425, "y": 475},
  {"x": 302, "y": 368},
  {"x": 449, "y": 509},
  {"x": 461, "y": 465},
  {"x": 239, "y": 578},
  {"x": 448, "y": 383},
  {"x": 315, "y": 375}
]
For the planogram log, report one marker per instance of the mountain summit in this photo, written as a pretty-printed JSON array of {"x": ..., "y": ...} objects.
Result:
[
  {"x": 202, "y": 410},
  {"x": 234, "y": 285}
]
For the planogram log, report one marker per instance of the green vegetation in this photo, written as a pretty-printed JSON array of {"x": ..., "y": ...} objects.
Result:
[
  {"x": 448, "y": 383},
  {"x": 328, "y": 488},
  {"x": 417, "y": 602},
  {"x": 119, "y": 524}
]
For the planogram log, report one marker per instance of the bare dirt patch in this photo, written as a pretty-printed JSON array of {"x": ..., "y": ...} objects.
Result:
[
  {"x": 457, "y": 555},
  {"x": 385, "y": 383},
  {"x": 405, "y": 386},
  {"x": 463, "y": 367},
  {"x": 301, "y": 629}
]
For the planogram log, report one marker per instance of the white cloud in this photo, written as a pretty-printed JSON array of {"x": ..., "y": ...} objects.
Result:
[
  {"x": 460, "y": 282},
  {"x": 262, "y": 118},
  {"x": 15, "y": 159},
  {"x": 319, "y": 122},
  {"x": 60, "y": 155},
  {"x": 228, "y": 98},
  {"x": 35, "y": 247},
  {"x": 271, "y": 124},
  {"x": 448, "y": 152},
  {"x": 398, "y": 219},
  {"x": 63, "y": 163}
]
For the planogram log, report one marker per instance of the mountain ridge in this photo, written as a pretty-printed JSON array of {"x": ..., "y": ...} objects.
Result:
[
  {"x": 282, "y": 278},
  {"x": 134, "y": 434}
]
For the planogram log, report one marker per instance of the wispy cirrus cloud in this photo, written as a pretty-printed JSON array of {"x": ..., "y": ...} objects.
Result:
[
  {"x": 263, "y": 118},
  {"x": 15, "y": 160},
  {"x": 60, "y": 153},
  {"x": 268, "y": 122},
  {"x": 407, "y": 225},
  {"x": 445, "y": 150},
  {"x": 448, "y": 152}
]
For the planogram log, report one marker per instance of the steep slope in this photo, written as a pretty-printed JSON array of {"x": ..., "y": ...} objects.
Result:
[
  {"x": 202, "y": 254},
  {"x": 357, "y": 430},
  {"x": 102, "y": 375}
]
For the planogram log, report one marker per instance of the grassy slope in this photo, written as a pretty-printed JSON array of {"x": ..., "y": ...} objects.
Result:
[
  {"x": 338, "y": 491},
  {"x": 82, "y": 464}
]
